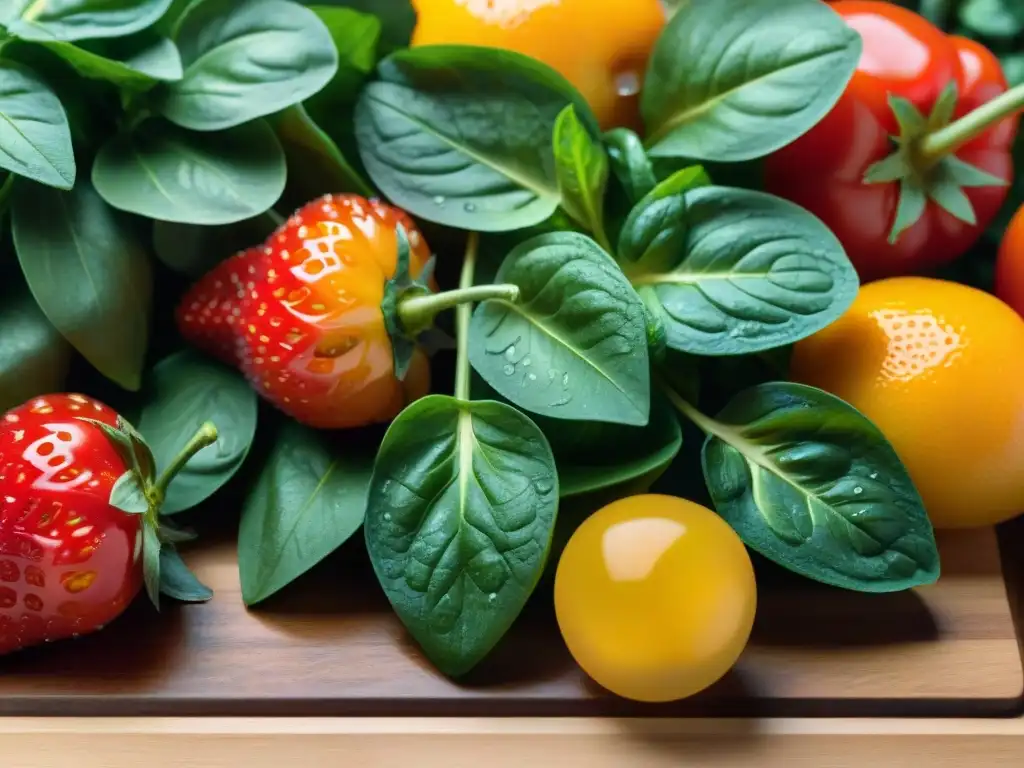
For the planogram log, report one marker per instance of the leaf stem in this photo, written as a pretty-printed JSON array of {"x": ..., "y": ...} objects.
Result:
[
  {"x": 952, "y": 137},
  {"x": 462, "y": 317},
  {"x": 705, "y": 423},
  {"x": 417, "y": 313},
  {"x": 206, "y": 436},
  {"x": 33, "y": 10}
]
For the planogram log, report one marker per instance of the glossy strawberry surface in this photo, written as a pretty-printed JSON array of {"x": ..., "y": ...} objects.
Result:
[
  {"x": 69, "y": 562},
  {"x": 301, "y": 316}
]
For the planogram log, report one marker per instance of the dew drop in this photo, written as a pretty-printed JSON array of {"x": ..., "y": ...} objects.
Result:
[
  {"x": 493, "y": 596},
  {"x": 874, "y": 475},
  {"x": 527, "y": 362},
  {"x": 543, "y": 486},
  {"x": 509, "y": 369},
  {"x": 387, "y": 517},
  {"x": 469, "y": 207},
  {"x": 858, "y": 490},
  {"x": 565, "y": 379},
  {"x": 439, "y": 200},
  {"x": 510, "y": 353},
  {"x": 532, "y": 377}
]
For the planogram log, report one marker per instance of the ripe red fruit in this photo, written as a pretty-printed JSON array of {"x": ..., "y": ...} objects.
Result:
[
  {"x": 302, "y": 316},
  {"x": 78, "y": 518}
]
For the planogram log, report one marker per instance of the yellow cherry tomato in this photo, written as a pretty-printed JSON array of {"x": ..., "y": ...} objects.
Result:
[
  {"x": 939, "y": 368},
  {"x": 655, "y": 597},
  {"x": 600, "y": 46}
]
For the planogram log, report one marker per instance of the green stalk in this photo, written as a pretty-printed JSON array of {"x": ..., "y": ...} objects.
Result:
[
  {"x": 952, "y": 137},
  {"x": 705, "y": 423},
  {"x": 34, "y": 10},
  {"x": 206, "y": 436},
  {"x": 417, "y": 313},
  {"x": 462, "y": 317}
]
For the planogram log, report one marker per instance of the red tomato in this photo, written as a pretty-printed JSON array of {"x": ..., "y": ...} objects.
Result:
[
  {"x": 823, "y": 171},
  {"x": 69, "y": 562},
  {"x": 1010, "y": 264}
]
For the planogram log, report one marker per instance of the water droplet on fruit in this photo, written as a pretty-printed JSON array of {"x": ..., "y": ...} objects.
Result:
[
  {"x": 509, "y": 369},
  {"x": 627, "y": 83}
]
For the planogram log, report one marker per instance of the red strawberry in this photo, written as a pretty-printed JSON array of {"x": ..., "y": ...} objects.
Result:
[
  {"x": 78, "y": 512},
  {"x": 302, "y": 317}
]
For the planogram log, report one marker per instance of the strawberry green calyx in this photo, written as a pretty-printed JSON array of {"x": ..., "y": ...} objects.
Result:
[
  {"x": 139, "y": 491},
  {"x": 924, "y": 162},
  {"x": 410, "y": 306}
]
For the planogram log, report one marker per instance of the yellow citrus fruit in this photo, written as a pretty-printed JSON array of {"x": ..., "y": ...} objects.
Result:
[
  {"x": 600, "y": 46},
  {"x": 939, "y": 368},
  {"x": 655, "y": 597}
]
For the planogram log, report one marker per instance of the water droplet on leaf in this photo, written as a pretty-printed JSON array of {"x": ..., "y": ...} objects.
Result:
[
  {"x": 439, "y": 200},
  {"x": 469, "y": 207},
  {"x": 858, "y": 490},
  {"x": 509, "y": 369},
  {"x": 510, "y": 353}
]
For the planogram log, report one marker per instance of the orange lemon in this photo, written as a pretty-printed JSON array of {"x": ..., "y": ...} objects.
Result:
[
  {"x": 600, "y": 46},
  {"x": 939, "y": 368},
  {"x": 655, "y": 597}
]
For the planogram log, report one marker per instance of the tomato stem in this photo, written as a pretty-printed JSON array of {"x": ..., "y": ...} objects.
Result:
[
  {"x": 417, "y": 313},
  {"x": 205, "y": 437},
  {"x": 462, "y": 317},
  {"x": 938, "y": 144}
]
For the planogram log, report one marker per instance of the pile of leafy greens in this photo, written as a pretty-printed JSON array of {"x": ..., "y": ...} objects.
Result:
[{"x": 146, "y": 140}]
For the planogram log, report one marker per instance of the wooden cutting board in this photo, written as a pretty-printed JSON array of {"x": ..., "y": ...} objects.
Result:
[{"x": 331, "y": 646}]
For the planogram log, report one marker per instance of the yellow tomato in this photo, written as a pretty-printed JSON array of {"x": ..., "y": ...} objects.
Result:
[
  {"x": 939, "y": 368},
  {"x": 655, "y": 597},
  {"x": 600, "y": 46}
]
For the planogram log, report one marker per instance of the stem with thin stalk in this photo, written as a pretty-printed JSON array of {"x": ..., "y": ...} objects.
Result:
[
  {"x": 706, "y": 424},
  {"x": 417, "y": 313},
  {"x": 952, "y": 137},
  {"x": 462, "y": 317},
  {"x": 205, "y": 437}
]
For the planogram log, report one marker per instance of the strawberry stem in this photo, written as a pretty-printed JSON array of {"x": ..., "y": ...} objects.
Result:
[
  {"x": 206, "y": 436},
  {"x": 463, "y": 315},
  {"x": 947, "y": 140},
  {"x": 416, "y": 313}
]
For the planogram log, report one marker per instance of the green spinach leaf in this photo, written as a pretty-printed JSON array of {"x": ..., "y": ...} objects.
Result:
[
  {"x": 181, "y": 393},
  {"x": 136, "y": 63},
  {"x": 88, "y": 273},
  {"x": 193, "y": 250},
  {"x": 462, "y": 136},
  {"x": 460, "y": 515},
  {"x": 655, "y": 233},
  {"x": 397, "y": 18},
  {"x": 246, "y": 59},
  {"x": 310, "y": 499},
  {"x": 34, "y": 357},
  {"x": 574, "y": 346},
  {"x": 35, "y": 138},
  {"x": 70, "y": 20},
  {"x": 734, "y": 80},
  {"x": 165, "y": 173},
  {"x": 757, "y": 272},
  {"x": 581, "y": 167},
  {"x": 999, "y": 19},
  {"x": 316, "y": 166},
  {"x": 630, "y": 164},
  {"x": 810, "y": 483}
]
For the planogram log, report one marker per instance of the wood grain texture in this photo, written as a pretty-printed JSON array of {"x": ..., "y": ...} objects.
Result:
[
  {"x": 511, "y": 743},
  {"x": 330, "y": 646}
]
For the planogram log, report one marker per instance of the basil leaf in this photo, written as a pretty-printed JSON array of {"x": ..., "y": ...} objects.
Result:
[
  {"x": 758, "y": 272},
  {"x": 810, "y": 483},
  {"x": 87, "y": 273},
  {"x": 136, "y": 63},
  {"x": 162, "y": 172},
  {"x": 630, "y": 163},
  {"x": 581, "y": 167},
  {"x": 733, "y": 80},
  {"x": 34, "y": 357},
  {"x": 310, "y": 499},
  {"x": 178, "y": 582},
  {"x": 462, "y": 136},
  {"x": 316, "y": 166},
  {"x": 70, "y": 20},
  {"x": 1000, "y": 19},
  {"x": 460, "y": 514},
  {"x": 35, "y": 138},
  {"x": 245, "y": 59},
  {"x": 194, "y": 250},
  {"x": 182, "y": 392},
  {"x": 655, "y": 233},
  {"x": 574, "y": 345}
]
